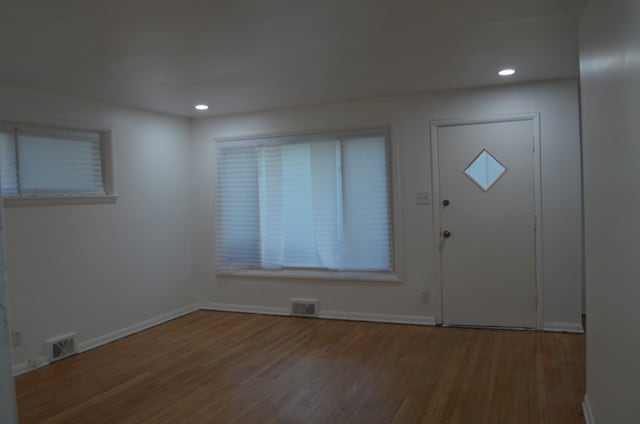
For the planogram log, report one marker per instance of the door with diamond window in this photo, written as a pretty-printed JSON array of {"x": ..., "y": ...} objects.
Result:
[{"x": 487, "y": 217}]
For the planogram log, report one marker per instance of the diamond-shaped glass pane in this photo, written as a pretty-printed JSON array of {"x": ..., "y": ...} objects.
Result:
[{"x": 485, "y": 170}]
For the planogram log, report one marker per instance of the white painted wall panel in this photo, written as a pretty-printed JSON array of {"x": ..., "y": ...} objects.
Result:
[{"x": 610, "y": 78}]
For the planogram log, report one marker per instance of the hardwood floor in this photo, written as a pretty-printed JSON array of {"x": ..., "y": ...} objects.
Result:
[{"x": 215, "y": 367}]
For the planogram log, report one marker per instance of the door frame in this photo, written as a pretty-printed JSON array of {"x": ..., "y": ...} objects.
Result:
[{"x": 435, "y": 186}]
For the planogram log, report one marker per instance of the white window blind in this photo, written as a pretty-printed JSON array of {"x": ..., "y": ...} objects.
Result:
[
  {"x": 305, "y": 202},
  {"x": 40, "y": 161}
]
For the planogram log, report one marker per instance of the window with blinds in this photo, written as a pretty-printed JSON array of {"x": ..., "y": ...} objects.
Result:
[
  {"x": 48, "y": 162},
  {"x": 314, "y": 202}
]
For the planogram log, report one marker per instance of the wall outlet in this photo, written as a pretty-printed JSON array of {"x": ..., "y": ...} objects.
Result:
[
  {"x": 423, "y": 198},
  {"x": 33, "y": 362},
  {"x": 426, "y": 296},
  {"x": 16, "y": 338}
]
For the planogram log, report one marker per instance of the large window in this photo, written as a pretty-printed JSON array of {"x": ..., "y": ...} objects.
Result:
[
  {"x": 48, "y": 162},
  {"x": 315, "y": 202}
]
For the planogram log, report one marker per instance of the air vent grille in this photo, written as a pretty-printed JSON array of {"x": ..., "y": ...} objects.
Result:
[
  {"x": 62, "y": 347},
  {"x": 304, "y": 307}
]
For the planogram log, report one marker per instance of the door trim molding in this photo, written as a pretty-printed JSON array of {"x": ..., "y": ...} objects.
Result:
[{"x": 436, "y": 207}]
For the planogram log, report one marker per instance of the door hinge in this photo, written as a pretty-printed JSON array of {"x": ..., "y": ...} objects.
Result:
[
  {"x": 533, "y": 144},
  {"x": 535, "y": 222}
]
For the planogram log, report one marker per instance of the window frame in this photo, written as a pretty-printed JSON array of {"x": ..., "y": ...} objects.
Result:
[
  {"x": 67, "y": 198},
  {"x": 390, "y": 276}
]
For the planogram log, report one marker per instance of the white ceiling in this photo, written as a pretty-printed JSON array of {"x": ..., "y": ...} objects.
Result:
[{"x": 245, "y": 55}]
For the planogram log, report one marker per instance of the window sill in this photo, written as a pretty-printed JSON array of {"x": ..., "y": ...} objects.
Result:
[
  {"x": 382, "y": 277},
  {"x": 53, "y": 200}
]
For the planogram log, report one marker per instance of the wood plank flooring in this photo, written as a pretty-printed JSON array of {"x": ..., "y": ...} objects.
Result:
[{"x": 216, "y": 367}]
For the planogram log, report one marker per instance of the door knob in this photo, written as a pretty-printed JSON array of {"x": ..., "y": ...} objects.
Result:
[
  {"x": 445, "y": 203},
  {"x": 446, "y": 234}
]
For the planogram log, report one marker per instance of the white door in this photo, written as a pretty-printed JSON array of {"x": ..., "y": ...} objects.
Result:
[{"x": 487, "y": 215}]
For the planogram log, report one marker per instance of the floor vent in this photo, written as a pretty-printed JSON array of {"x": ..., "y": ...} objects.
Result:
[
  {"x": 304, "y": 307},
  {"x": 61, "y": 347}
]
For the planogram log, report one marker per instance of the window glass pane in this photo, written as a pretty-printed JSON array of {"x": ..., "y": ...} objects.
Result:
[
  {"x": 58, "y": 165},
  {"x": 237, "y": 208},
  {"x": 8, "y": 176},
  {"x": 485, "y": 170},
  {"x": 367, "y": 221},
  {"x": 325, "y": 161},
  {"x": 298, "y": 196}
]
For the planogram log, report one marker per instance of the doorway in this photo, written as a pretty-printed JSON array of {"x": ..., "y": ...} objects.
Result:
[{"x": 488, "y": 221}]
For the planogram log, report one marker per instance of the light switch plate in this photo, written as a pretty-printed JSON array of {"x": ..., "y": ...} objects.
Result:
[
  {"x": 16, "y": 338},
  {"x": 426, "y": 296},
  {"x": 423, "y": 198}
]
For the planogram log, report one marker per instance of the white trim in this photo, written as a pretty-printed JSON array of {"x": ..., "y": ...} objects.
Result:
[
  {"x": 384, "y": 277},
  {"x": 586, "y": 409},
  {"x": 435, "y": 205},
  {"x": 395, "y": 185},
  {"x": 537, "y": 169},
  {"x": 383, "y": 318},
  {"x": 56, "y": 123},
  {"x": 135, "y": 328},
  {"x": 13, "y": 202},
  {"x": 392, "y": 136},
  {"x": 563, "y": 327},
  {"x": 435, "y": 181},
  {"x": 250, "y": 309},
  {"x": 48, "y": 125},
  {"x": 318, "y": 134},
  {"x": 348, "y": 316},
  {"x": 24, "y": 367},
  {"x": 42, "y": 360}
]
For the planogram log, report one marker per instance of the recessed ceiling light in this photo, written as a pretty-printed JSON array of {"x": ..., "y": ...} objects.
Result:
[
  {"x": 202, "y": 107},
  {"x": 507, "y": 72}
]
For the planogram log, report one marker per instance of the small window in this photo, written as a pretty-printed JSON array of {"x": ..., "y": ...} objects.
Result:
[
  {"x": 48, "y": 162},
  {"x": 485, "y": 170},
  {"x": 306, "y": 202}
]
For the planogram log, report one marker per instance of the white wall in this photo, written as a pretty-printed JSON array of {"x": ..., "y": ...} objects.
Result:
[
  {"x": 409, "y": 117},
  {"x": 610, "y": 78},
  {"x": 94, "y": 269},
  {"x": 7, "y": 392}
]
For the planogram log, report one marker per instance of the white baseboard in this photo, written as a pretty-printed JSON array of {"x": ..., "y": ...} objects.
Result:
[
  {"x": 23, "y": 368},
  {"x": 250, "y": 309},
  {"x": 386, "y": 318},
  {"x": 43, "y": 360},
  {"x": 349, "y": 316},
  {"x": 563, "y": 327},
  {"x": 586, "y": 409},
  {"x": 135, "y": 328}
]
